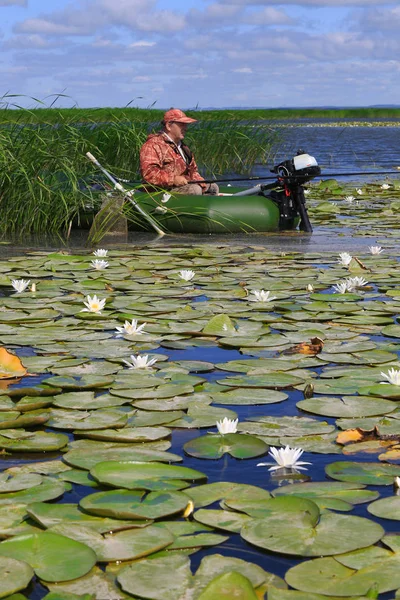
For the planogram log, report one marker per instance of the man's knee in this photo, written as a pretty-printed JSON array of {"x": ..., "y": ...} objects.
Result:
[{"x": 191, "y": 189}]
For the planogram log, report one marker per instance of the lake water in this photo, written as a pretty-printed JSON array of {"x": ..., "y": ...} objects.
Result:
[{"x": 342, "y": 148}]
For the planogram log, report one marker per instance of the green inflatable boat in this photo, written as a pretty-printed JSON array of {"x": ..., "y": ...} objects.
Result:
[{"x": 278, "y": 206}]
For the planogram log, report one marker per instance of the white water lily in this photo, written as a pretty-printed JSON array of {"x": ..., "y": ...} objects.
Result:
[
  {"x": 33, "y": 287},
  {"x": 99, "y": 264},
  {"x": 344, "y": 258},
  {"x": 310, "y": 288},
  {"x": 286, "y": 458},
  {"x": 307, "y": 192},
  {"x": 341, "y": 288},
  {"x": 375, "y": 249},
  {"x": 396, "y": 484},
  {"x": 261, "y": 296},
  {"x": 349, "y": 199},
  {"x": 141, "y": 361},
  {"x": 94, "y": 304},
  {"x": 392, "y": 376},
  {"x": 355, "y": 282},
  {"x": 20, "y": 285},
  {"x": 359, "y": 191},
  {"x": 132, "y": 328},
  {"x": 101, "y": 252},
  {"x": 385, "y": 186},
  {"x": 187, "y": 274},
  {"x": 227, "y": 425}
]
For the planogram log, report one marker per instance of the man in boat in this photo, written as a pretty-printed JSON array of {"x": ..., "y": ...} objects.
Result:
[{"x": 166, "y": 162}]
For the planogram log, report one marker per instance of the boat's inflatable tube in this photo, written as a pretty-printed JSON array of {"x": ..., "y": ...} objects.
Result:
[{"x": 178, "y": 213}]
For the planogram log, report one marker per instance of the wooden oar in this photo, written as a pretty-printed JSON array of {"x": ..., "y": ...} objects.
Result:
[{"x": 127, "y": 195}]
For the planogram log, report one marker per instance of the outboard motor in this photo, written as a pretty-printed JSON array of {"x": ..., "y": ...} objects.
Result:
[{"x": 288, "y": 191}]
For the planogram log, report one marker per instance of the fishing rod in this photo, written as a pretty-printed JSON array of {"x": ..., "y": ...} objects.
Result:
[
  {"x": 273, "y": 177},
  {"x": 270, "y": 177}
]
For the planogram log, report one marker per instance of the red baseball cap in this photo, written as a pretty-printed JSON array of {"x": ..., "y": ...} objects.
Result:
[{"x": 174, "y": 114}]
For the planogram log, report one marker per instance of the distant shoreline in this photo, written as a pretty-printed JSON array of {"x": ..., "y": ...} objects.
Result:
[{"x": 107, "y": 115}]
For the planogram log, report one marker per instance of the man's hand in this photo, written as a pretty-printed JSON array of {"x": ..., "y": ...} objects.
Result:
[{"x": 180, "y": 180}]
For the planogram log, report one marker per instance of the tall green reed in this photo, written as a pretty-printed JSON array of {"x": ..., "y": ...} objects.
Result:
[{"x": 43, "y": 163}]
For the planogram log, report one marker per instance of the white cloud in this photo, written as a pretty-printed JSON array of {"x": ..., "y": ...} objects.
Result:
[
  {"x": 142, "y": 44},
  {"x": 380, "y": 19},
  {"x": 269, "y": 17},
  {"x": 243, "y": 70},
  {"x": 87, "y": 18}
]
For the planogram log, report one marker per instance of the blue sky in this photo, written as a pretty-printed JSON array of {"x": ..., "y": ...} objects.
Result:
[{"x": 205, "y": 53}]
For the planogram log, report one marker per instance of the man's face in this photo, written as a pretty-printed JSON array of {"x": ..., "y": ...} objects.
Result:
[{"x": 177, "y": 130}]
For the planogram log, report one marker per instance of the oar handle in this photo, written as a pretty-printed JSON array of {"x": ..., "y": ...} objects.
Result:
[{"x": 127, "y": 193}]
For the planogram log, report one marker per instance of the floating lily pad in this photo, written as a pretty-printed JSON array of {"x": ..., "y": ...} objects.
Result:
[
  {"x": 350, "y": 492},
  {"x": 327, "y": 576},
  {"x": 48, "y": 515},
  {"x": 251, "y": 396},
  {"x": 289, "y": 531},
  {"x": 149, "y": 475},
  {"x": 49, "y": 489},
  {"x": 15, "y": 575},
  {"x": 123, "y": 545},
  {"x": 8, "y": 483},
  {"x": 222, "y": 519},
  {"x": 272, "y": 380},
  {"x": 368, "y": 473},
  {"x": 204, "y": 495},
  {"x": 38, "y": 441},
  {"x": 386, "y": 508},
  {"x": 128, "y": 504},
  {"x": 285, "y": 426},
  {"x": 236, "y": 444},
  {"x": 347, "y": 406},
  {"x": 128, "y": 434},
  {"x": 169, "y": 578},
  {"x": 88, "y": 458},
  {"x": 53, "y": 557}
]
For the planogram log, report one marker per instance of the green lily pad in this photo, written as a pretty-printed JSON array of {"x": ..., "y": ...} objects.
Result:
[
  {"x": 53, "y": 557},
  {"x": 327, "y": 576},
  {"x": 88, "y": 458},
  {"x": 236, "y": 444},
  {"x": 251, "y": 396},
  {"x": 128, "y": 504},
  {"x": 145, "y": 475},
  {"x": 272, "y": 380},
  {"x": 86, "y": 400},
  {"x": 227, "y": 586},
  {"x": 123, "y": 545},
  {"x": 48, "y": 515},
  {"x": 347, "y": 406},
  {"x": 15, "y": 575},
  {"x": 300, "y": 533},
  {"x": 349, "y": 492},
  {"x": 49, "y": 489},
  {"x": 220, "y": 325},
  {"x": 38, "y": 441},
  {"x": 222, "y": 519},
  {"x": 368, "y": 473},
  {"x": 386, "y": 508},
  {"x": 169, "y": 578},
  {"x": 9, "y": 483},
  {"x": 285, "y": 426},
  {"x": 101, "y": 418},
  {"x": 128, "y": 434},
  {"x": 204, "y": 495}
]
